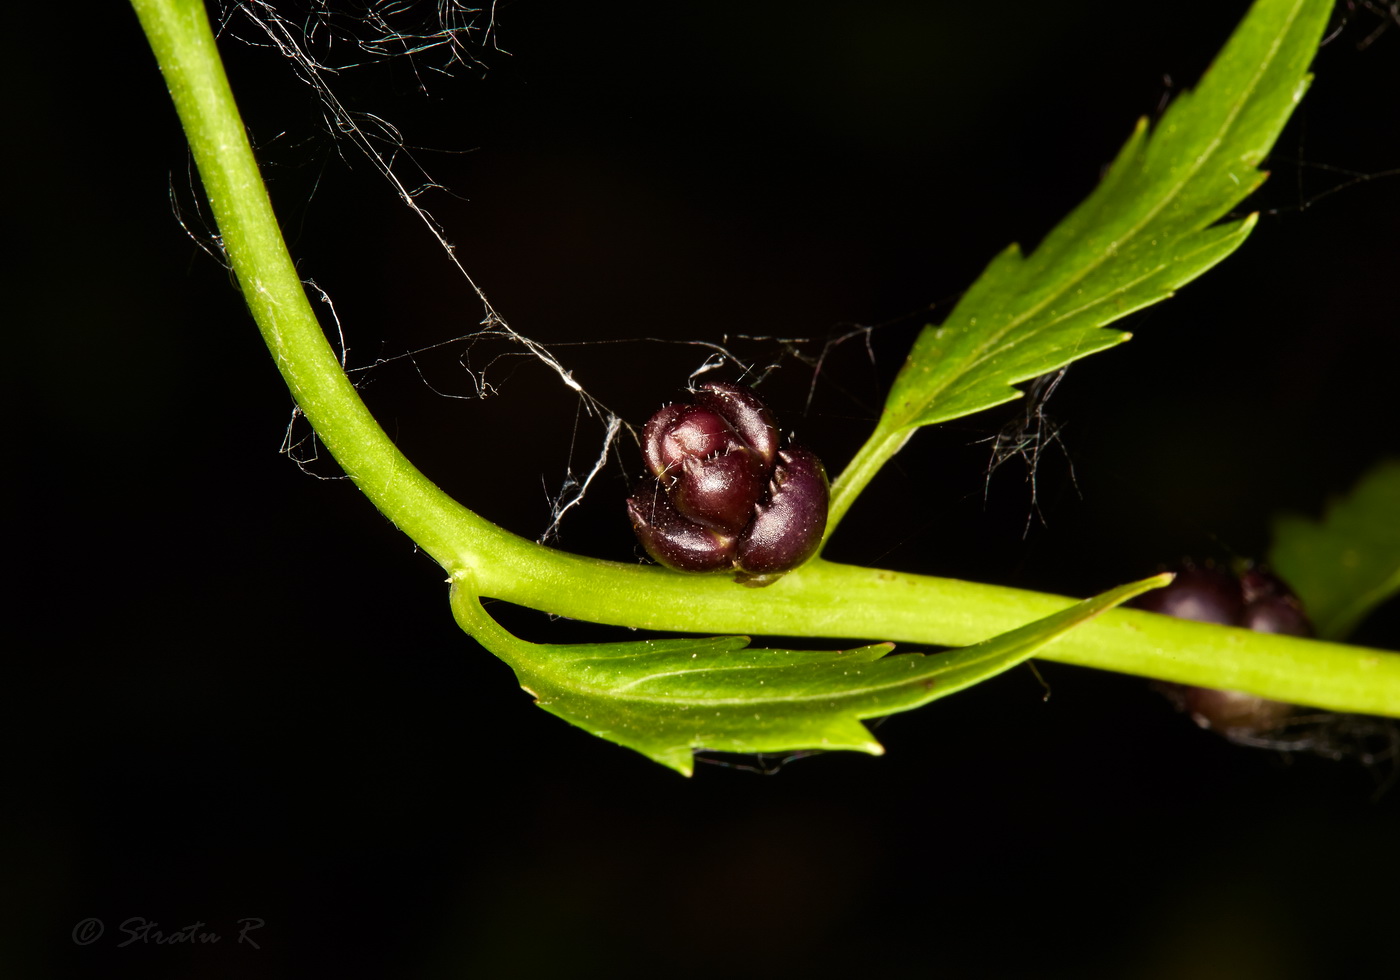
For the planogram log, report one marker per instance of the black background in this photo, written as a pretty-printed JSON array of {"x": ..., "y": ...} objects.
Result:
[{"x": 237, "y": 691}]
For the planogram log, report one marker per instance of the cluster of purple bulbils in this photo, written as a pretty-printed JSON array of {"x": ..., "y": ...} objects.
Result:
[
  {"x": 723, "y": 494},
  {"x": 1256, "y": 600}
]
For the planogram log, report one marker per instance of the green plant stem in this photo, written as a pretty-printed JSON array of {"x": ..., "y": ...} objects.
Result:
[
  {"x": 845, "y": 601},
  {"x": 819, "y": 599},
  {"x": 868, "y": 460}
]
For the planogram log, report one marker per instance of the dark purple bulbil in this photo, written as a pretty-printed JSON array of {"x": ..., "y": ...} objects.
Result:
[
  {"x": 722, "y": 493},
  {"x": 1270, "y": 606},
  {"x": 1256, "y": 600},
  {"x": 1206, "y": 595}
]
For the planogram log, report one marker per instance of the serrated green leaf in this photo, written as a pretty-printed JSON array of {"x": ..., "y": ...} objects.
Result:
[
  {"x": 668, "y": 698},
  {"x": 1348, "y": 563},
  {"x": 1145, "y": 231}
]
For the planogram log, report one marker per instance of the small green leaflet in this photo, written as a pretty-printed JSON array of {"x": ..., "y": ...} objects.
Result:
[
  {"x": 667, "y": 698},
  {"x": 1348, "y": 563},
  {"x": 1147, "y": 229}
]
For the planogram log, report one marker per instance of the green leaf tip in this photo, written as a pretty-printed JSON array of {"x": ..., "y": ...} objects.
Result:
[
  {"x": 669, "y": 698},
  {"x": 1147, "y": 229},
  {"x": 1348, "y": 563}
]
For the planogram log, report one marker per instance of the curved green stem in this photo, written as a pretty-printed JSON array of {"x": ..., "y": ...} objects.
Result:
[
  {"x": 179, "y": 34},
  {"x": 877, "y": 451},
  {"x": 819, "y": 599}
]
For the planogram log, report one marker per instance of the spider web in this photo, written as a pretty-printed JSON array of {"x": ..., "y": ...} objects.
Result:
[
  {"x": 325, "y": 41},
  {"x": 322, "y": 42}
]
